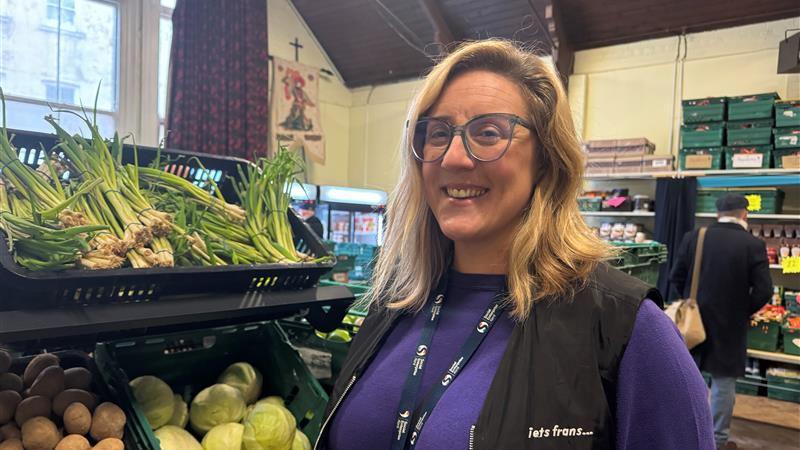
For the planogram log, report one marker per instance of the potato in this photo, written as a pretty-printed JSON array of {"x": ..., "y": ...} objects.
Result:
[
  {"x": 5, "y": 361},
  {"x": 74, "y": 442},
  {"x": 32, "y": 407},
  {"x": 37, "y": 365},
  {"x": 108, "y": 421},
  {"x": 10, "y": 431},
  {"x": 11, "y": 381},
  {"x": 12, "y": 444},
  {"x": 39, "y": 433},
  {"x": 8, "y": 405},
  {"x": 78, "y": 378},
  {"x": 49, "y": 383},
  {"x": 70, "y": 396},
  {"x": 109, "y": 444},
  {"x": 77, "y": 419}
]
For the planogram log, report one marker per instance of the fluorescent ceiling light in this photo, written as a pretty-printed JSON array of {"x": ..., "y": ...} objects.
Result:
[
  {"x": 337, "y": 194},
  {"x": 303, "y": 191}
]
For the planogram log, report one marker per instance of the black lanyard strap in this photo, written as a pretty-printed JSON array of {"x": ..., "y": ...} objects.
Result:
[{"x": 413, "y": 382}]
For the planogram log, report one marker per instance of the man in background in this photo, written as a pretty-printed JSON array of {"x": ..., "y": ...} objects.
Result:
[
  {"x": 734, "y": 283},
  {"x": 308, "y": 211}
]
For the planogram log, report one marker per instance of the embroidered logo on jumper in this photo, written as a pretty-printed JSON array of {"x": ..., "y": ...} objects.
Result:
[{"x": 557, "y": 431}]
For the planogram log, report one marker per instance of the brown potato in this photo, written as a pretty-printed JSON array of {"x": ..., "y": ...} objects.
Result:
[
  {"x": 78, "y": 378},
  {"x": 32, "y": 407},
  {"x": 49, "y": 383},
  {"x": 109, "y": 444},
  {"x": 37, "y": 365},
  {"x": 5, "y": 361},
  {"x": 70, "y": 396},
  {"x": 74, "y": 442},
  {"x": 39, "y": 433},
  {"x": 108, "y": 421},
  {"x": 8, "y": 405},
  {"x": 77, "y": 419},
  {"x": 11, "y": 382},
  {"x": 12, "y": 444}
]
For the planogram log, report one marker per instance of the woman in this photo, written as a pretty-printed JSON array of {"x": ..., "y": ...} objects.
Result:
[{"x": 493, "y": 322}]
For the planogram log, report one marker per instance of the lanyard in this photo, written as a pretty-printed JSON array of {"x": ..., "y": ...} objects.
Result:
[{"x": 405, "y": 419}]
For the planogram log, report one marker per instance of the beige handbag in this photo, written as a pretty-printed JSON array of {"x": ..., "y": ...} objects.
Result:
[{"x": 685, "y": 313}]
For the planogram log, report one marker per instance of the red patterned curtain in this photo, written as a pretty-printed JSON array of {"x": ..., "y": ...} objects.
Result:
[{"x": 219, "y": 78}]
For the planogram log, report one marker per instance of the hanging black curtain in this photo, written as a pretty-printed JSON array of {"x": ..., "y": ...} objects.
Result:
[
  {"x": 676, "y": 202},
  {"x": 218, "y": 81}
]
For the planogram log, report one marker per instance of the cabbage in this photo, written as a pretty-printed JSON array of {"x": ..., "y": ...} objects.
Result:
[
  {"x": 180, "y": 415},
  {"x": 274, "y": 399},
  {"x": 301, "y": 441},
  {"x": 171, "y": 437},
  {"x": 214, "y": 406},
  {"x": 245, "y": 378},
  {"x": 269, "y": 427},
  {"x": 227, "y": 436},
  {"x": 155, "y": 398}
]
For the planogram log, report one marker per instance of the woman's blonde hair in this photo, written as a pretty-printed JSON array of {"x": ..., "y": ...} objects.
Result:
[{"x": 553, "y": 252}]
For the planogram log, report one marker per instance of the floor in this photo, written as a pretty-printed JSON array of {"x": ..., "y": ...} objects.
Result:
[{"x": 749, "y": 435}]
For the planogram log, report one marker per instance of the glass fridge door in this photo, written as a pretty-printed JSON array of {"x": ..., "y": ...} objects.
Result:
[
  {"x": 340, "y": 226},
  {"x": 366, "y": 229}
]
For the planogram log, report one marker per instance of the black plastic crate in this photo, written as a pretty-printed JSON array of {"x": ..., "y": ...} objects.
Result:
[
  {"x": 72, "y": 358},
  {"x": 25, "y": 288},
  {"x": 193, "y": 360}
]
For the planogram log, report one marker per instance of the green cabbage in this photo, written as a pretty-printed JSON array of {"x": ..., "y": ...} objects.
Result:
[
  {"x": 155, "y": 398},
  {"x": 171, "y": 437},
  {"x": 245, "y": 378},
  {"x": 301, "y": 441},
  {"x": 274, "y": 399},
  {"x": 214, "y": 406},
  {"x": 269, "y": 427},
  {"x": 227, "y": 436},
  {"x": 180, "y": 415}
]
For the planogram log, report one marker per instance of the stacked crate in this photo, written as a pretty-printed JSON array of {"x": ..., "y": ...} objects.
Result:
[
  {"x": 749, "y": 131},
  {"x": 703, "y": 133},
  {"x": 787, "y": 134},
  {"x": 624, "y": 156}
]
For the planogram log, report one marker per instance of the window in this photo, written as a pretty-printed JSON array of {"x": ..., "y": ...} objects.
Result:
[
  {"x": 40, "y": 53},
  {"x": 66, "y": 8},
  {"x": 164, "y": 49}
]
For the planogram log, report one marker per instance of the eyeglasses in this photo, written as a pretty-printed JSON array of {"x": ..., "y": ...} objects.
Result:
[{"x": 486, "y": 137}]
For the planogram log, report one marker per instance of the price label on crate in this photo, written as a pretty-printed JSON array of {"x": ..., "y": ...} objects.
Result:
[
  {"x": 791, "y": 264},
  {"x": 753, "y": 202}
]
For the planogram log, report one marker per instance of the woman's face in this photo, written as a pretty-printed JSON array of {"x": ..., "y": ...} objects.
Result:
[{"x": 498, "y": 191}]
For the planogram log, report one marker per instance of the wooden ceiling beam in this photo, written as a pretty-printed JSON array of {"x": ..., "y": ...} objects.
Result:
[
  {"x": 563, "y": 51},
  {"x": 442, "y": 33}
]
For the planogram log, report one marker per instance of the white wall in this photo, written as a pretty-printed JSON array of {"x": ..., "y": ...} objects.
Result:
[{"x": 627, "y": 90}]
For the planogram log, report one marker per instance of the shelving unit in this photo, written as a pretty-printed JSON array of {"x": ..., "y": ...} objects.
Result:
[
  {"x": 618, "y": 213},
  {"x": 774, "y": 356},
  {"x": 757, "y": 216},
  {"x": 689, "y": 173}
]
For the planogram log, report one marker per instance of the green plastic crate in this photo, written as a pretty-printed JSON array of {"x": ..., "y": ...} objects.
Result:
[
  {"x": 791, "y": 340},
  {"x": 703, "y": 135},
  {"x": 770, "y": 199},
  {"x": 788, "y": 137},
  {"x": 786, "y": 158},
  {"x": 358, "y": 290},
  {"x": 301, "y": 334},
  {"x": 646, "y": 271},
  {"x": 787, "y": 113},
  {"x": 193, "y": 360},
  {"x": 707, "y": 199},
  {"x": 748, "y": 157},
  {"x": 701, "y": 110},
  {"x": 791, "y": 302},
  {"x": 783, "y": 387},
  {"x": 635, "y": 254},
  {"x": 755, "y": 132},
  {"x": 749, "y": 385},
  {"x": 764, "y": 336},
  {"x": 756, "y": 106},
  {"x": 590, "y": 203},
  {"x": 709, "y": 158}
]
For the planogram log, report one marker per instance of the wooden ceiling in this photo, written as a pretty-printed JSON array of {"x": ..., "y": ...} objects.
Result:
[{"x": 379, "y": 41}]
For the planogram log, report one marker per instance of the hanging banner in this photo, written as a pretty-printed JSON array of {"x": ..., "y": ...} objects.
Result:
[{"x": 295, "y": 114}]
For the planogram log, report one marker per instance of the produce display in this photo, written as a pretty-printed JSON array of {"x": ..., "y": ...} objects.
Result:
[
  {"x": 767, "y": 314},
  {"x": 227, "y": 415},
  {"x": 47, "y": 407},
  {"x": 83, "y": 208}
]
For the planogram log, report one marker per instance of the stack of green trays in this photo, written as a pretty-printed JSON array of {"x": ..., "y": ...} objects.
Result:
[
  {"x": 702, "y": 158},
  {"x": 590, "y": 203},
  {"x": 748, "y": 107},
  {"x": 771, "y": 199},
  {"x": 707, "y": 199},
  {"x": 702, "y": 110},
  {"x": 748, "y": 157},
  {"x": 749, "y": 385},
  {"x": 783, "y": 384},
  {"x": 750, "y": 132},
  {"x": 791, "y": 340},
  {"x": 787, "y": 113},
  {"x": 699, "y": 135}
]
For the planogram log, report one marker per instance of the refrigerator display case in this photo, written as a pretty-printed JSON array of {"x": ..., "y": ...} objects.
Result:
[{"x": 352, "y": 215}]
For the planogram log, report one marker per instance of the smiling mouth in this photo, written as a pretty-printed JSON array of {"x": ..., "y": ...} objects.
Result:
[{"x": 462, "y": 194}]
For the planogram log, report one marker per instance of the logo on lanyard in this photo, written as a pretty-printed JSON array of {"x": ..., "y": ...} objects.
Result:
[
  {"x": 422, "y": 350},
  {"x": 483, "y": 326},
  {"x": 437, "y": 306},
  {"x": 402, "y": 424}
]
